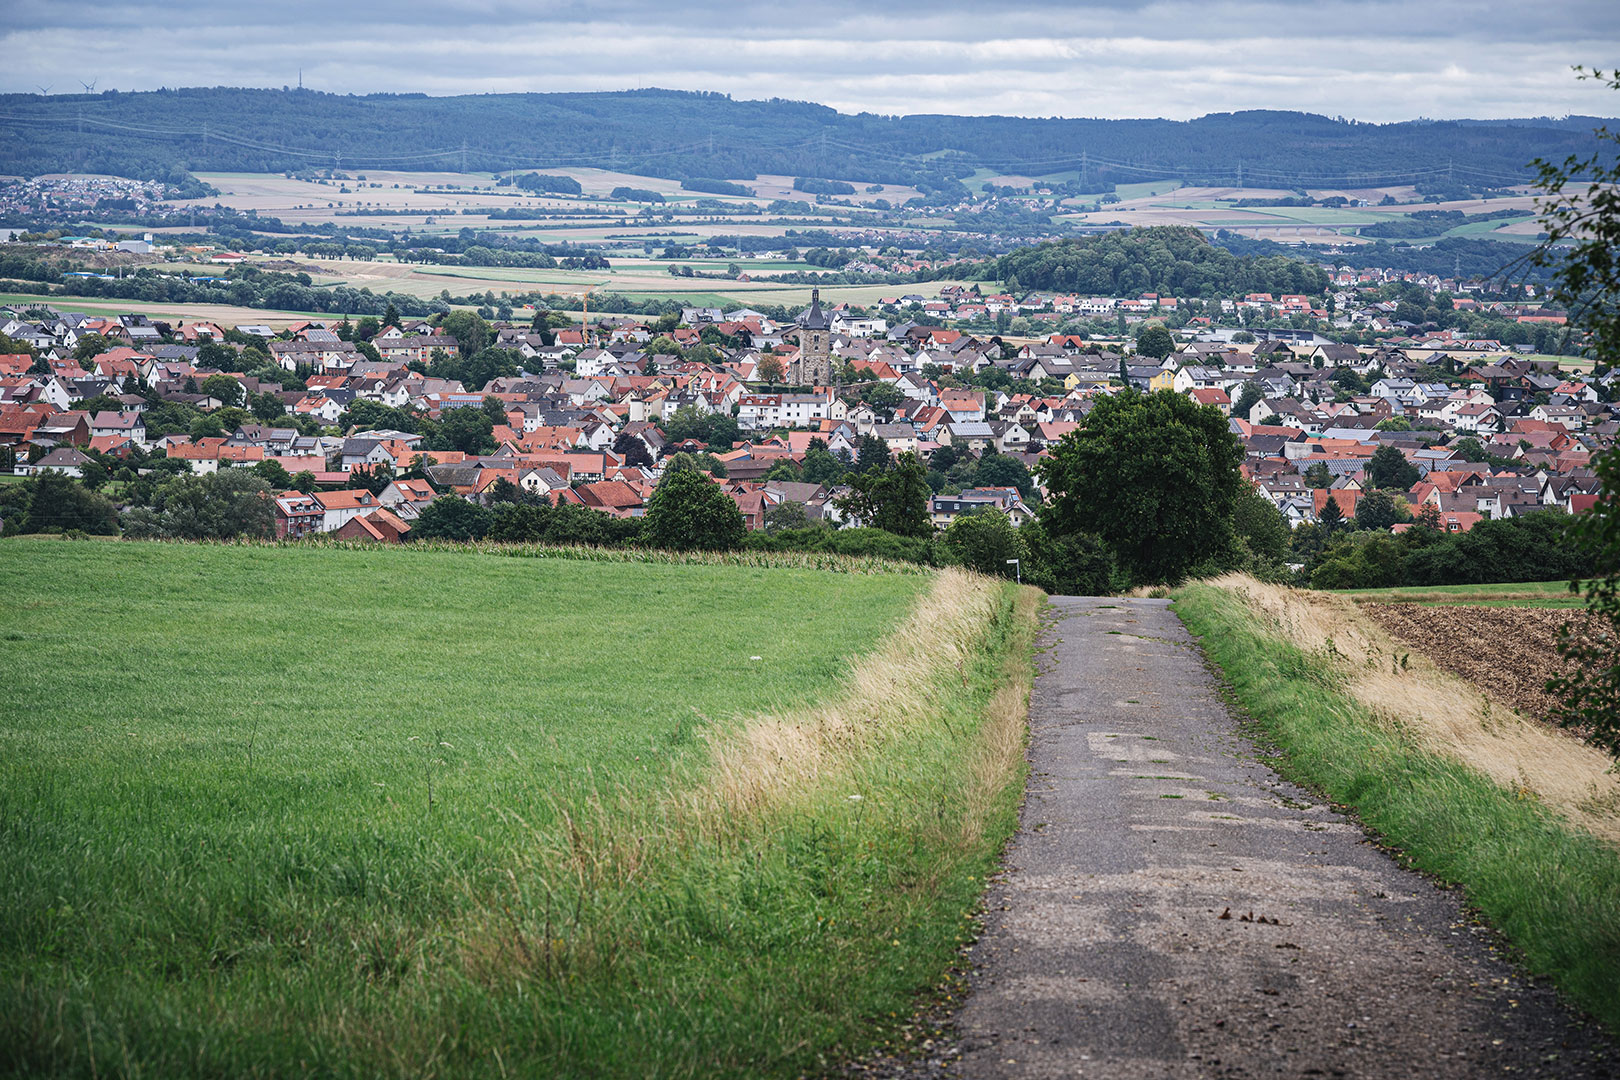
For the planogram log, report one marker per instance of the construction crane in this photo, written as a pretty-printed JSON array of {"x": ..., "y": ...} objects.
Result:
[{"x": 585, "y": 317}]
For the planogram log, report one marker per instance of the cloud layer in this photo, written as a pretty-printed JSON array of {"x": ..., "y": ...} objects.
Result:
[{"x": 1367, "y": 59}]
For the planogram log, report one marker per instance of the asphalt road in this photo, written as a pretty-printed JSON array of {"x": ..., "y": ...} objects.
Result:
[{"x": 1172, "y": 908}]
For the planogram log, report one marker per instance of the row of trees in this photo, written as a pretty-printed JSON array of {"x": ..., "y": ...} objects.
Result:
[
  {"x": 170, "y": 503},
  {"x": 1362, "y": 553}
]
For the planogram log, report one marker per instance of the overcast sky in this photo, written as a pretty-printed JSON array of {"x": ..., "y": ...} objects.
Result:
[{"x": 1367, "y": 59}]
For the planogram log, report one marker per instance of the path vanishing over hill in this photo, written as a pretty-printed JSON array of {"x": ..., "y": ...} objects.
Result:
[{"x": 1172, "y": 908}]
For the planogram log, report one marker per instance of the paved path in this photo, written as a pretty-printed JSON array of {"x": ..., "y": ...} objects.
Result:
[{"x": 1171, "y": 908}]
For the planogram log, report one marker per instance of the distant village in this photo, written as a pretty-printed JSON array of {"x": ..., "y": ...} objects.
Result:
[{"x": 589, "y": 415}]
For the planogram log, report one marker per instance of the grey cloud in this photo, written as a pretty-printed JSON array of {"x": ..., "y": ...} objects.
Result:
[{"x": 1371, "y": 59}]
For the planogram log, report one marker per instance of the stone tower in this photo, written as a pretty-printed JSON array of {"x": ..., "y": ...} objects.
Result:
[{"x": 814, "y": 366}]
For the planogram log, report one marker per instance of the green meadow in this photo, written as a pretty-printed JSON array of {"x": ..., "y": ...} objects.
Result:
[{"x": 337, "y": 812}]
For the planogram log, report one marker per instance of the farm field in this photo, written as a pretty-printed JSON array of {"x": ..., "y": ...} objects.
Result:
[
  {"x": 225, "y": 313},
  {"x": 458, "y": 197},
  {"x": 638, "y": 279},
  {"x": 430, "y": 281},
  {"x": 1148, "y": 204},
  {"x": 274, "y": 810},
  {"x": 1551, "y": 594},
  {"x": 1507, "y": 651}
]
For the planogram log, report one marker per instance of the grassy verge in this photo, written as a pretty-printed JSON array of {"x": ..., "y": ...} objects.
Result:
[
  {"x": 1553, "y": 890},
  {"x": 644, "y": 853}
]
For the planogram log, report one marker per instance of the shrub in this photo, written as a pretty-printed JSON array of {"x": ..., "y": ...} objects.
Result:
[{"x": 984, "y": 540}]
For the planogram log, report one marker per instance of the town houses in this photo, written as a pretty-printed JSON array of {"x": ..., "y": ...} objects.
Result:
[{"x": 591, "y": 415}]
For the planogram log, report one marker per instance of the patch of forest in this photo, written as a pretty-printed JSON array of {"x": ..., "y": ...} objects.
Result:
[{"x": 1172, "y": 260}]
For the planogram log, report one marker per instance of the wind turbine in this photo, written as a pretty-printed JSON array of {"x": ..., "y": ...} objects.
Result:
[
  {"x": 45, "y": 91},
  {"x": 89, "y": 87}
]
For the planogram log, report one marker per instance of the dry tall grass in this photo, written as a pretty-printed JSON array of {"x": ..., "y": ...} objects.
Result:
[
  {"x": 774, "y": 758},
  {"x": 1441, "y": 712}
]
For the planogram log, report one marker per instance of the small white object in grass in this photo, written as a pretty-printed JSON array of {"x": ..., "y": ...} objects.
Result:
[
  {"x": 756, "y": 658},
  {"x": 854, "y": 798}
]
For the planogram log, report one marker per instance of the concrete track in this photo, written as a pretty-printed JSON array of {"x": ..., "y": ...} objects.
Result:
[{"x": 1172, "y": 908}]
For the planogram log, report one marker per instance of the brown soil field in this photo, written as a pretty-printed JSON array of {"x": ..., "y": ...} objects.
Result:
[
  {"x": 1507, "y": 652},
  {"x": 1450, "y": 678}
]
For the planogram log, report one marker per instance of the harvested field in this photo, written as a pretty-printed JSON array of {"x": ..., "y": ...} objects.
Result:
[
  {"x": 1401, "y": 676},
  {"x": 1507, "y": 652}
]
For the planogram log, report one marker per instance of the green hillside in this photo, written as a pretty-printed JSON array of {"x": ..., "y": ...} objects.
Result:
[
  {"x": 680, "y": 134},
  {"x": 267, "y": 811}
]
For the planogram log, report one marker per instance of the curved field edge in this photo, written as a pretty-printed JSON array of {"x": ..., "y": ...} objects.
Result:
[
  {"x": 1553, "y": 890},
  {"x": 743, "y": 917}
]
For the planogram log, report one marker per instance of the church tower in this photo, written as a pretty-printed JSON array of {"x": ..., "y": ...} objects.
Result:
[{"x": 814, "y": 366}]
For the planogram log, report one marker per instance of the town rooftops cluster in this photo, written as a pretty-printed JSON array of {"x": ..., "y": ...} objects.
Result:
[{"x": 584, "y": 419}]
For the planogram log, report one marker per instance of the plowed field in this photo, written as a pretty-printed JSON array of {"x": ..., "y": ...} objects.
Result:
[{"x": 1505, "y": 651}]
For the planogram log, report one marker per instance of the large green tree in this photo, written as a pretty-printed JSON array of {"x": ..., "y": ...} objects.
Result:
[
  {"x": 894, "y": 499},
  {"x": 1076, "y": 564},
  {"x": 1155, "y": 475},
  {"x": 1155, "y": 341},
  {"x": 821, "y": 466},
  {"x": 220, "y": 506},
  {"x": 450, "y": 517},
  {"x": 1378, "y": 510},
  {"x": 1390, "y": 469},
  {"x": 57, "y": 504},
  {"x": 1260, "y": 525},
  {"x": 468, "y": 430},
  {"x": 223, "y": 387},
  {"x": 470, "y": 331},
  {"x": 1250, "y": 396},
  {"x": 1003, "y": 470},
  {"x": 688, "y": 511}
]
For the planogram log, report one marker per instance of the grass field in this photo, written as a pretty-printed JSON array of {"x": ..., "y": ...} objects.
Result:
[
  {"x": 1145, "y": 189},
  {"x": 1525, "y": 819},
  {"x": 1548, "y": 594},
  {"x": 281, "y": 810},
  {"x": 1210, "y": 208}
]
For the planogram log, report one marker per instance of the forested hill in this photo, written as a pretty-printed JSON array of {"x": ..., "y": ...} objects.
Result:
[
  {"x": 681, "y": 135},
  {"x": 1169, "y": 260}
]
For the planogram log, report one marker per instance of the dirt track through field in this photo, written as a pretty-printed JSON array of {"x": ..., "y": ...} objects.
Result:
[{"x": 1172, "y": 908}]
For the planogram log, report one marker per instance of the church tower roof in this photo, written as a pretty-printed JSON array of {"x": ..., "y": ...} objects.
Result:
[{"x": 815, "y": 318}]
